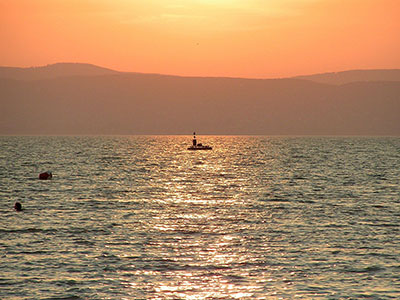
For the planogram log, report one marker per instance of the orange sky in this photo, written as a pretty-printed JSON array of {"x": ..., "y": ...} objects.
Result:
[{"x": 246, "y": 38}]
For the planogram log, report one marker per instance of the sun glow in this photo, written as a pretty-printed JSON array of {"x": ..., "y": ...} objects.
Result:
[{"x": 247, "y": 38}]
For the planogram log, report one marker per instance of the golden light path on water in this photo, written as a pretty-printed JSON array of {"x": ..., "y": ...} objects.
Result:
[
  {"x": 201, "y": 230},
  {"x": 202, "y": 237}
]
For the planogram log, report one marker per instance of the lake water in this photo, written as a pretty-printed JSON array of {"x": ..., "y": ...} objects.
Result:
[{"x": 141, "y": 217}]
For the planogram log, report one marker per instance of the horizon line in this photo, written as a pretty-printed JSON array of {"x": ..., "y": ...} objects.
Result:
[
  {"x": 199, "y": 76},
  {"x": 205, "y": 134}
]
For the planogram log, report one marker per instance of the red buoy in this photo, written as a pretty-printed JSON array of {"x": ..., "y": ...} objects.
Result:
[{"x": 45, "y": 175}]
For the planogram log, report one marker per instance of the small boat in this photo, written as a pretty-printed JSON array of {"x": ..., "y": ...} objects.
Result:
[{"x": 199, "y": 146}]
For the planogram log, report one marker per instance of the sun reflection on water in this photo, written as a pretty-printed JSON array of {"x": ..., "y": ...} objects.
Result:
[{"x": 195, "y": 241}]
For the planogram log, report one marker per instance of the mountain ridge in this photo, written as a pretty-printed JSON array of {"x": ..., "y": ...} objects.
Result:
[
  {"x": 54, "y": 71},
  {"x": 348, "y": 76},
  {"x": 84, "y": 69}
]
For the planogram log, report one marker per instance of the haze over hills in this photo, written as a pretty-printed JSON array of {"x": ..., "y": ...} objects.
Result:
[
  {"x": 54, "y": 71},
  {"x": 86, "y": 99},
  {"x": 83, "y": 69},
  {"x": 354, "y": 76}
]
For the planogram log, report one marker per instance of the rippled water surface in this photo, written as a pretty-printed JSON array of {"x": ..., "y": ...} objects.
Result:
[{"x": 141, "y": 217}]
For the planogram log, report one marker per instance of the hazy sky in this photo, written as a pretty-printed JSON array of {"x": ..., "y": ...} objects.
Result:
[{"x": 247, "y": 38}]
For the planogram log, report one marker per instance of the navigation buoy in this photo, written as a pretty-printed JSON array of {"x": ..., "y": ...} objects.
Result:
[
  {"x": 45, "y": 175},
  {"x": 18, "y": 206},
  {"x": 198, "y": 146}
]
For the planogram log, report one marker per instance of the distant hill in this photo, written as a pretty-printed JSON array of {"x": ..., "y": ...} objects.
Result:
[
  {"x": 354, "y": 76},
  {"x": 134, "y": 103},
  {"x": 54, "y": 71},
  {"x": 81, "y": 69}
]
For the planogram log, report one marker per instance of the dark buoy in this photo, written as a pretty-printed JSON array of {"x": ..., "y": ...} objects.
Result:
[
  {"x": 45, "y": 175},
  {"x": 18, "y": 206}
]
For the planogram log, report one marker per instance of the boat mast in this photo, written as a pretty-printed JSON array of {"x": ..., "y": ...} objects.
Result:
[{"x": 194, "y": 139}]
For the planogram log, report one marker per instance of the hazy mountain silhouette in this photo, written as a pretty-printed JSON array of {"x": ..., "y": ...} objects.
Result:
[
  {"x": 354, "y": 76},
  {"x": 53, "y": 71},
  {"x": 133, "y": 103}
]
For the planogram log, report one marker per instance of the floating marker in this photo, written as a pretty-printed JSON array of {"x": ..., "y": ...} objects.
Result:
[{"x": 45, "y": 175}]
